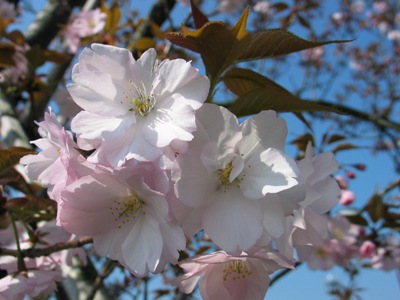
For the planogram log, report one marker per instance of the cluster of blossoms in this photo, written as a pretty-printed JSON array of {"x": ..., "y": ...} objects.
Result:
[
  {"x": 82, "y": 25},
  {"x": 13, "y": 75},
  {"x": 162, "y": 165},
  {"x": 40, "y": 274},
  {"x": 7, "y": 10},
  {"x": 350, "y": 242}
]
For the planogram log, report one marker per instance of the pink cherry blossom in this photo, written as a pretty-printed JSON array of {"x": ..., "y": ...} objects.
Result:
[
  {"x": 18, "y": 72},
  {"x": 262, "y": 7},
  {"x": 228, "y": 172},
  {"x": 308, "y": 224},
  {"x": 338, "y": 251},
  {"x": 7, "y": 10},
  {"x": 387, "y": 257},
  {"x": 229, "y": 6},
  {"x": 128, "y": 221},
  {"x": 367, "y": 249},
  {"x": 343, "y": 182},
  {"x": 84, "y": 24},
  {"x": 59, "y": 161},
  {"x": 394, "y": 35},
  {"x": 139, "y": 107},
  {"x": 346, "y": 197},
  {"x": 34, "y": 283},
  {"x": 224, "y": 276}
]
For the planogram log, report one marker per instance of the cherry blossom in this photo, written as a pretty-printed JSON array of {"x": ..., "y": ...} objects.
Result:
[
  {"x": 308, "y": 225},
  {"x": 228, "y": 171},
  {"x": 338, "y": 251},
  {"x": 128, "y": 221},
  {"x": 346, "y": 197},
  {"x": 7, "y": 10},
  {"x": 229, "y": 6},
  {"x": 18, "y": 72},
  {"x": 245, "y": 276},
  {"x": 139, "y": 107},
  {"x": 84, "y": 24},
  {"x": 367, "y": 249},
  {"x": 59, "y": 161},
  {"x": 262, "y": 7},
  {"x": 34, "y": 283},
  {"x": 41, "y": 274}
]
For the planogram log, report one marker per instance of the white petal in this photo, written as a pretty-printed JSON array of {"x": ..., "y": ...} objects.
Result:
[{"x": 233, "y": 223}]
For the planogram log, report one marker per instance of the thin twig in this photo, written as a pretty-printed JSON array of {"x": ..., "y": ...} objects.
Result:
[
  {"x": 283, "y": 273},
  {"x": 107, "y": 269},
  {"x": 377, "y": 120},
  {"x": 38, "y": 252}
]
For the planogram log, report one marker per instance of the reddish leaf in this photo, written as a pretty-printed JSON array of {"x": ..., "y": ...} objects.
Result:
[
  {"x": 144, "y": 43},
  {"x": 344, "y": 146},
  {"x": 302, "y": 141},
  {"x": 375, "y": 207},
  {"x": 199, "y": 18},
  {"x": 11, "y": 156},
  {"x": 6, "y": 54},
  {"x": 354, "y": 216},
  {"x": 56, "y": 57},
  {"x": 257, "y": 93},
  {"x": 218, "y": 44},
  {"x": 32, "y": 208},
  {"x": 335, "y": 137},
  {"x": 14, "y": 179},
  {"x": 276, "y": 42},
  {"x": 16, "y": 37},
  {"x": 113, "y": 16}
]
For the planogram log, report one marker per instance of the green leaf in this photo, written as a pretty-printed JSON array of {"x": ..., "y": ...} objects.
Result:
[
  {"x": 277, "y": 42},
  {"x": 11, "y": 156},
  {"x": 256, "y": 93}
]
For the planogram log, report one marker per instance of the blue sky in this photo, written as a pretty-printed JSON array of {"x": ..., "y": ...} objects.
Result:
[{"x": 304, "y": 283}]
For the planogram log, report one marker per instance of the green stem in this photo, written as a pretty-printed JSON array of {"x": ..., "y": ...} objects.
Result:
[{"x": 20, "y": 257}]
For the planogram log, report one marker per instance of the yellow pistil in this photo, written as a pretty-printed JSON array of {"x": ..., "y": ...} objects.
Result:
[
  {"x": 141, "y": 103},
  {"x": 126, "y": 210},
  {"x": 236, "y": 269},
  {"x": 224, "y": 174}
]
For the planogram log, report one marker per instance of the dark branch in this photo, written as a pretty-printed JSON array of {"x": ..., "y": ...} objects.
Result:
[{"x": 38, "y": 252}]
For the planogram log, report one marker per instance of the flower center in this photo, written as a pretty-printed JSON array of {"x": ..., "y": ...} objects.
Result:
[
  {"x": 224, "y": 174},
  {"x": 236, "y": 269},
  {"x": 126, "y": 210},
  {"x": 142, "y": 102},
  {"x": 231, "y": 173}
]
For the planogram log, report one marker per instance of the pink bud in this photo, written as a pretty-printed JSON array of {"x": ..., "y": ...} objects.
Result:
[
  {"x": 343, "y": 184},
  {"x": 360, "y": 167},
  {"x": 350, "y": 174},
  {"x": 367, "y": 249},
  {"x": 346, "y": 197}
]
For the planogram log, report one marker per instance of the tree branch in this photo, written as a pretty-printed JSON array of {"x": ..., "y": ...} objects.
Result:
[
  {"x": 376, "y": 120},
  {"x": 37, "y": 252},
  {"x": 108, "y": 267},
  {"x": 283, "y": 273}
]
